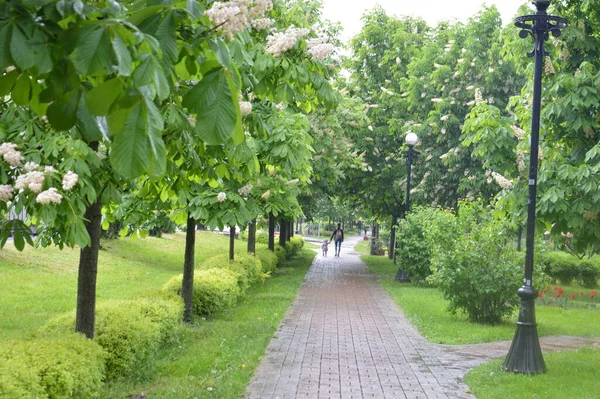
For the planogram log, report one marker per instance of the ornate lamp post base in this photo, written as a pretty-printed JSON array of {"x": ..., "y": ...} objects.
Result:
[{"x": 525, "y": 354}]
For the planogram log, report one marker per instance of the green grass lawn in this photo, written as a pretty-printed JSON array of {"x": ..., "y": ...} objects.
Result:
[
  {"x": 362, "y": 247},
  {"x": 427, "y": 310},
  {"x": 213, "y": 357}
]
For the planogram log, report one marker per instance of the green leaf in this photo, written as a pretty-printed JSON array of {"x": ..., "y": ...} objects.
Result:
[
  {"x": 21, "y": 92},
  {"x": 18, "y": 237},
  {"x": 211, "y": 100},
  {"x": 7, "y": 82},
  {"x": 123, "y": 56},
  {"x": 101, "y": 97},
  {"x": 92, "y": 53},
  {"x": 150, "y": 73},
  {"x": 5, "y": 36},
  {"x": 167, "y": 37},
  {"x": 138, "y": 147},
  {"x": 144, "y": 14},
  {"x": 87, "y": 122},
  {"x": 20, "y": 49},
  {"x": 62, "y": 114}
]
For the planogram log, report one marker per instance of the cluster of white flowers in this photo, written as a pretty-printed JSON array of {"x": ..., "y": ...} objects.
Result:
[
  {"x": 266, "y": 194},
  {"x": 10, "y": 154},
  {"x": 280, "y": 107},
  {"x": 245, "y": 108},
  {"x": 261, "y": 23},
  {"x": 6, "y": 192},
  {"x": 478, "y": 97},
  {"x": 221, "y": 197},
  {"x": 502, "y": 181},
  {"x": 318, "y": 49},
  {"x": 48, "y": 196},
  {"x": 245, "y": 190},
  {"x": 31, "y": 180},
  {"x": 29, "y": 166},
  {"x": 444, "y": 118},
  {"x": 280, "y": 42},
  {"x": 548, "y": 66},
  {"x": 69, "y": 180},
  {"x": 519, "y": 133},
  {"x": 234, "y": 16},
  {"x": 436, "y": 100},
  {"x": 567, "y": 235},
  {"x": 293, "y": 182}
]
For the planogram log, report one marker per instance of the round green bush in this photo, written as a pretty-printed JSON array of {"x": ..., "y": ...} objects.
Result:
[
  {"x": 129, "y": 331},
  {"x": 262, "y": 237},
  {"x": 281, "y": 254},
  {"x": 247, "y": 266},
  {"x": 214, "y": 290},
  {"x": 268, "y": 260},
  {"x": 69, "y": 366}
]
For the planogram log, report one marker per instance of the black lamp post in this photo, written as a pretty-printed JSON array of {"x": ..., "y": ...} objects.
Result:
[
  {"x": 525, "y": 354},
  {"x": 411, "y": 139}
]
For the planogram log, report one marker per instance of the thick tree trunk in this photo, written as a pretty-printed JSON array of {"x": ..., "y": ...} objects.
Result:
[
  {"x": 187, "y": 285},
  {"x": 252, "y": 236},
  {"x": 290, "y": 230},
  {"x": 88, "y": 270},
  {"x": 271, "y": 232},
  {"x": 392, "y": 247},
  {"x": 231, "y": 242}
]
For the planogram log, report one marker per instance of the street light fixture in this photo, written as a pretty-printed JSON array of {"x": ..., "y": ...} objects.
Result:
[
  {"x": 411, "y": 139},
  {"x": 525, "y": 354}
]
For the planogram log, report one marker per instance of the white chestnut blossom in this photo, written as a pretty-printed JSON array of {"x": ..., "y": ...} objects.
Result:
[
  {"x": 48, "y": 196},
  {"x": 29, "y": 166},
  {"x": 10, "y": 154},
  {"x": 502, "y": 181},
  {"x": 318, "y": 49},
  {"x": 31, "y": 180},
  {"x": 221, "y": 197},
  {"x": 245, "y": 190},
  {"x": 245, "y": 108},
  {"x": 234, "y": 16},
  {"x": 266, "y": 194},
  {"x": 280, "y": 42},
  {"x": 49, "y": 169},
  {"x": 6, "y": 192},
  {"x": 69, "y": 180}
]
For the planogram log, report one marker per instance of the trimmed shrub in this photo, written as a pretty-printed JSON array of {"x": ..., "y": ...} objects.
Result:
[
  {"x": 214, "y": 290},
  {"x": 129, "y": 331},
  {"x": 588, "y": 274},
  {"x": 70, "y": 366},
  {"x": 560, "y": 266},
  {"x": 268, "y": 260},
  {"x": 281, "y": 254},
  {"x": 247, "y": 266}
]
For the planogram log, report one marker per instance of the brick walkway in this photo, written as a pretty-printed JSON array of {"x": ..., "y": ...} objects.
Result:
[{"x": 344, "y": 338}]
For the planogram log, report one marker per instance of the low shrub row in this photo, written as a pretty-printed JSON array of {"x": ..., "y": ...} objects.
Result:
[
  {"x": 566, "y": 268},
  {"x": 62, "y": 364}
]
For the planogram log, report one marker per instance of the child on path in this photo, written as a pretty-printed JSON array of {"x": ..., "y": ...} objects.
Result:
[{"x": 324, "y": 247}]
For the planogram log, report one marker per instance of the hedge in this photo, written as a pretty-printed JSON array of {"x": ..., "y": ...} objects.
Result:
[
  {"x": 268, "y": 260},
  {"x": 70, "y": 366},
  {"x": 566, "y": 268},
  {"x": 129, "y": 331},
  {"x": 247, "y": 266},
  {"x": 214, "y": 290}
]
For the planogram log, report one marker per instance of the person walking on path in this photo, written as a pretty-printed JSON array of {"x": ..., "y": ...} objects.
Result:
[{"x": 338, "y": 236}]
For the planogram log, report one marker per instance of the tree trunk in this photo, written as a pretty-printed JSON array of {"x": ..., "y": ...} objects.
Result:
[
  {"x": 271, "y": 232},
  {"x": 252, "y": 236},
  {"x": 231, "y": 242},
  {"x": 519, "y": 237},
  {"x": 187, "y": 285},
  {"x": 88, "y": 270},
  {"x": 290, "y": 230},
  {"x": 282, "y": 232},
  {"x": 392, "y": 247}
]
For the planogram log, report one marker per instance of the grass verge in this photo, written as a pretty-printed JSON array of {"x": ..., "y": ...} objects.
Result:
[
  {"x": 216, "y": 357},
  {"x": 570, "y": 375}
]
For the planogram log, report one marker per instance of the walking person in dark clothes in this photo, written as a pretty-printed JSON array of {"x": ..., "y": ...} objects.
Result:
[{"x": 338, "y": 237}]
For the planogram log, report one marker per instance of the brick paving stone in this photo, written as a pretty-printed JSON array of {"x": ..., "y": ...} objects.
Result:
[{"x": 344, "y": 338}]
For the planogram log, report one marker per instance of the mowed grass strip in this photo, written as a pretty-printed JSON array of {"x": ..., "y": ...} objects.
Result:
[
  {"x": 427, "y": 310},
  {"x": 216, "y": 357},
  {"x": 40, "y": 283},
  {"x": 573, "y": 374}
]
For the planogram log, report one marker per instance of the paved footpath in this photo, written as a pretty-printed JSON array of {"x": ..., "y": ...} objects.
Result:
[{"x": 344, "y": 338}]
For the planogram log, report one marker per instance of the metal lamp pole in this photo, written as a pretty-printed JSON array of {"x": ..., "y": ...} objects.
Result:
[
  {"x": 525, "y": 354},
  {"x": 411, "y": 139}
]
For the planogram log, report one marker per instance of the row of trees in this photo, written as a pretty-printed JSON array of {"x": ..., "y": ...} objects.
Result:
[
  {"x": 203, "y": 110},
  {"x": 465, "y": 89}
]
